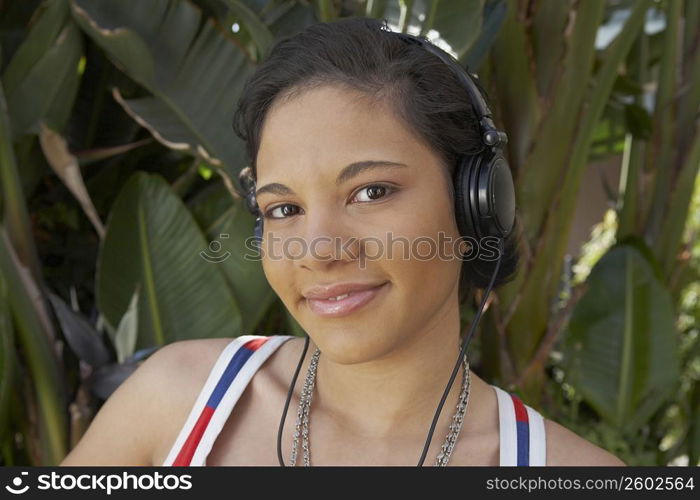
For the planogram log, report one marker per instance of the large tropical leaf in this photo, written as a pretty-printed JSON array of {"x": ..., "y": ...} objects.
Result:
[
  {"x": 42, "y": 78},
  {"x": 243, "y": 271},
  {"x": 153, "y": 242},
  {"x": 494, "y": 15},
  {"x": 227, "y": 224},
  {"x": 7, "y": 359},
  {"x": 193, "y": 70},
  {"x": 259, "y": 32},
  {"x": 12, "y": 203},
  {"x": 622, "y": 344},
  {"x": 35, "y": 336}
]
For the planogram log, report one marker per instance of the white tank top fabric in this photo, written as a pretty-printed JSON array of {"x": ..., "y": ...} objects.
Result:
[{"x": 521, "y": 428}]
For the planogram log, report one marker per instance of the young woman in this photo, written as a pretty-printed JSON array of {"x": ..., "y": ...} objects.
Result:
[{"x": 353, "y": 137}]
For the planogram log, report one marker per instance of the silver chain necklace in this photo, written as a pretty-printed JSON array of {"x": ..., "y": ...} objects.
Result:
[{"x": 302, "y": 424}]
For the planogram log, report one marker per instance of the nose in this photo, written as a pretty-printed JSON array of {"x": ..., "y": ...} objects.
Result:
[{"x": 328, "y": 238}]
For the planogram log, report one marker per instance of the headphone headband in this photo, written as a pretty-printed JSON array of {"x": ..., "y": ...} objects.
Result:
[
  {"x": 484, "y": 190},
  {"x": 491, "y": 136}
]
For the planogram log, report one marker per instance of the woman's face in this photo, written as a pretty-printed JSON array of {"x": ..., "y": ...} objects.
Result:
[{"x": 380, "y": 226}]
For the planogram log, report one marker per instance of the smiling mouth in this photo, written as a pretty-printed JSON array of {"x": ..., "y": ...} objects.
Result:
[{"x": 346, "y": 303}]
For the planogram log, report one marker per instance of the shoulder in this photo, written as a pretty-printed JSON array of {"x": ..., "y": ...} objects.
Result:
[
  {"x": 566, "y": 448},
  {"x": 280, "y": 366},
  {"x": 132, "y": 422},
  {"x": 190, "y": 353},
  {"x": 197, "y": 356},
  {"x": 185, "y": 365},
  {"x": 193, "y": 359}
]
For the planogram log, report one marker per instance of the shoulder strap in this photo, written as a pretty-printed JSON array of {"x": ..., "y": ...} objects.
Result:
[
  {"x": 227, "y": 380},
  {"x": 522, "y": 432}
]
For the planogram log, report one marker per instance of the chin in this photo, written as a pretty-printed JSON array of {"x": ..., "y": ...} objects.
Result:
[{"x": 349, "y": 346}]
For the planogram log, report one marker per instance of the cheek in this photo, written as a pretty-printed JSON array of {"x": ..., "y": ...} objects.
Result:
[
  {"x": 420, "y": 257},
  {"x": 279, "y": 275},
  {"x": 427, "y": 236}
]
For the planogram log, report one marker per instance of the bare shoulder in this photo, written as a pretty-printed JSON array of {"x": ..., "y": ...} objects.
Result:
[
  {"x": 566, "y": 448},
  {"x": 148, "y": 406},
  {"x": 184, "y": 367},
  {"x": 280, "y": 366}
]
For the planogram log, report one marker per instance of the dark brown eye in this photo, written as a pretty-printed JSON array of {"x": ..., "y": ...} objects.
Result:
[
  {"x": 374, "y": 192},
  {"x": 286, "y": 211}
]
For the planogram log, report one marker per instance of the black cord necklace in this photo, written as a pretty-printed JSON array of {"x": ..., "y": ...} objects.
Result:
[{"x": 463, "y": 350}]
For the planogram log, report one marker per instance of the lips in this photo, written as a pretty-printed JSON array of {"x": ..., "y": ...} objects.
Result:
[
  {"x": 322, "y": 300},
  {"x": 327, "y": 291}
]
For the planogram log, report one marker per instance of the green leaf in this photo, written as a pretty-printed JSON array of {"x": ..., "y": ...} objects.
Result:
[
  {"x": 258, "y": 31},
  {"x": 550, "y": 228},
  {"x": 289, "y": 18},
  {"x": 7, "y": 357},
  {"x": 127, "y": 331},
  {"x": 193, "y": 69},
  {"x": 494, "y": 15},
  {"x": 42, "y": 35},
  {"x": 243, "y": 270},
  {"x": 622, "y": 344},
  {"x": 152, "y": 241},
  {"x": 35, "y": 337},
  {"x": 42, "y": 78},
  {"x": 459, "y": 24},
  {"x": 549, "y": 23},
  {"x": 228, "y": 224},
  {"x": 14, "y": 208}
]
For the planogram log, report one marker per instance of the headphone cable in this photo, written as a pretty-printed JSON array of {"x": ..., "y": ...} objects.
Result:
[
  {"x": 462, "y": 351},
  {"x": 289, "y": 397}
]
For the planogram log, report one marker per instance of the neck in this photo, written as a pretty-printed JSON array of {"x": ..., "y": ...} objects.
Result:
[{"x": 395, "y": 396}]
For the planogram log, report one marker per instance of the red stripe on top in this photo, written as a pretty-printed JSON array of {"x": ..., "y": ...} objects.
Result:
[
  {"x": 520, "y": 411},
  {"x": 187, "y": 451},
  {"x": 255, "y": 344}
]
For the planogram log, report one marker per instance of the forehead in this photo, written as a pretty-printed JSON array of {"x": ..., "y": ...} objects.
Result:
[{"x": 330, "y": 127}]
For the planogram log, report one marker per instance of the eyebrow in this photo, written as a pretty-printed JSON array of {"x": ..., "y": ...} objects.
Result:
[{"x": 348, "y": 172}]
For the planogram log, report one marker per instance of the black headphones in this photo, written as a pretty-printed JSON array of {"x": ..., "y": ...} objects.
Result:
[
  {"x": 483, "y": 183},
  {"x": 484, "y": 207}
]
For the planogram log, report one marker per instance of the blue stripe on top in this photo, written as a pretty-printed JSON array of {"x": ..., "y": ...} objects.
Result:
[
  {"x": 523, "y": 429},
  {"x": 234, "y": 366}
]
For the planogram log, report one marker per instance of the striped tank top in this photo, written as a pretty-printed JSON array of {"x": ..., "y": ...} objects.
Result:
[{"x": 521, "y": 428}]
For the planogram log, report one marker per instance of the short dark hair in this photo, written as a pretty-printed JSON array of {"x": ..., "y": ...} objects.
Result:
[{"x": 362, "y": 54}]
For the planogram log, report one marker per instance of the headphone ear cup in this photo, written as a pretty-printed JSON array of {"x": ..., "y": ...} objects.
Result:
[
  {"x": 493, "y": 196},
  {"x": 463, "y": 208},
  {"x": 258, "y": 230}
]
